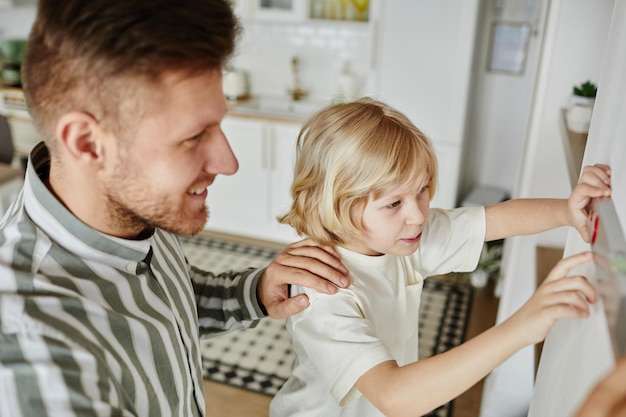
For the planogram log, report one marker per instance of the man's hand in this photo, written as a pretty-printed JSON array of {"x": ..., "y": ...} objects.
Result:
[
  {"x": 608, "y": 397},
  {"x": 302, "y": 263},
  {"x": 595, "y": 181}
]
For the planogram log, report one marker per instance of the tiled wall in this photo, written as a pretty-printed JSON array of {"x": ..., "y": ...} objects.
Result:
[{"x": 266, "y": 49}]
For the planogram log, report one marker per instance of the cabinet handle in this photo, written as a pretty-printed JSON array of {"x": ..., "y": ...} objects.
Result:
[
  {"x": 272, "y": 155},
  {"x": 264, "y": 146},
  {"x": 269, "y": 153}
]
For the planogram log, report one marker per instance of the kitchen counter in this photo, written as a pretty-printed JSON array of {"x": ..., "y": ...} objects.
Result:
[{"x": 273, "y": 108}]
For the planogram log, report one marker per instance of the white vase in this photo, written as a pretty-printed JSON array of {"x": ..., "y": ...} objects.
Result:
[
  {"x": 479, "y": 278},
  {"x": 578, "y": 118}
]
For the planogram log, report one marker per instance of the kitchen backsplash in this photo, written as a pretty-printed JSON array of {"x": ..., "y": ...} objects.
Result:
[{"x": 266, "y": 49}]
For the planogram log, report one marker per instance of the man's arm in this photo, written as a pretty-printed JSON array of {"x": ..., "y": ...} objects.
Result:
[
  {"x": 226, "y": 301},
  {"x": 233, "y": 300}
]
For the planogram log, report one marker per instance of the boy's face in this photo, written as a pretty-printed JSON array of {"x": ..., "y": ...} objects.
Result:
[
  {"x": 161, "y": 176},
  {"x": 393, "y": 223}
]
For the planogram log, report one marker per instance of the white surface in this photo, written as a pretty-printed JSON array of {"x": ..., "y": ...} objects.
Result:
[
  {"x": 248, "y": 202},
  {"x": 577, "y": 354},
  {"x": 429, "y": 83},
  {"x": 501, "y": 104},
  {"x": 573, "y": 51},
  {"x": 15, "y": 22}
]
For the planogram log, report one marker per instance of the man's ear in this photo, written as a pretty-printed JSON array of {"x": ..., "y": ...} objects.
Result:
[{"x": 80, "y": 134}]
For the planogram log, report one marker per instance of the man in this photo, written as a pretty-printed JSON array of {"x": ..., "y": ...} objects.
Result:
[{"x": 100, "y": 312}]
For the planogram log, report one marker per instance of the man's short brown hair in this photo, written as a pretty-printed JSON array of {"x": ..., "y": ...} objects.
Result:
[{"x": 87, "y": 55}]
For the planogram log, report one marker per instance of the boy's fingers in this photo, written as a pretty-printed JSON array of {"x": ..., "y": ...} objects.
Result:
[
  {"x": 600, "y": 170},
  {"x": 577, "y": 285},
  {"x": 564, "y": 265}
]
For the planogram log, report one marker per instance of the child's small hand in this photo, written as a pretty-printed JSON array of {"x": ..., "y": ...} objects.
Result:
[
  {"x": 559, "y": 296},
  {"x": 595, "y": 181}
]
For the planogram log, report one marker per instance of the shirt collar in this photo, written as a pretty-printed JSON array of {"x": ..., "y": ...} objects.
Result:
[{"x": 67, "y": 230}]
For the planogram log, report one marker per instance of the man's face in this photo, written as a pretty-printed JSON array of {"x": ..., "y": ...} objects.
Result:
[{"x": 162, "y": 172}]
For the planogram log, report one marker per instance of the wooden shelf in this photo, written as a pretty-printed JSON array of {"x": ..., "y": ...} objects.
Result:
[{"x": 574, "y": 149}]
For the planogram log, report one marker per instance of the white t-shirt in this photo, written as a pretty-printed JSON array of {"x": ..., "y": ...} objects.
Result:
[{"x": 340, "y": 337}]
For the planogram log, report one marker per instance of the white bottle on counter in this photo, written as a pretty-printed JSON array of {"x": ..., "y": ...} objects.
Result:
[{"x": 346, "y": 84}]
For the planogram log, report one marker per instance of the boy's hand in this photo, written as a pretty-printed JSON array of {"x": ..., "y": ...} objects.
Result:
[
  {"x": 595, "y": 181},
  {"x": 559, "y": 296}
]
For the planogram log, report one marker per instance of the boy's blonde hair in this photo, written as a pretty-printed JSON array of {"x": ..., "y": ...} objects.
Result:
[{"x": 347, "y": 152}]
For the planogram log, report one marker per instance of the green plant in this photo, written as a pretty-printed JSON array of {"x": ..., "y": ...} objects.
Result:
[
  {"x": 586, "y": 89},
  {"x": 491, "y": 258}
]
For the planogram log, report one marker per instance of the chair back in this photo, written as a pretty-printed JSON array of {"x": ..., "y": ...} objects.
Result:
[{"x": 6, "y": 142}]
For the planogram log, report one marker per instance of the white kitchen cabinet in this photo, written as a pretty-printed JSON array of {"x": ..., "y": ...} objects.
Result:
[
  {"x": 424, "y": 64},
  {"x": 248, "y": 202}
]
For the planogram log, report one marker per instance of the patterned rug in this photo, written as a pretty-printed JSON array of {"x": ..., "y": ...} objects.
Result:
[{"x": 261, "y": 359}]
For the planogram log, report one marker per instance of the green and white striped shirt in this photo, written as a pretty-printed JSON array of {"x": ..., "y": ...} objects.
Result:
[{"x": 94, "y": 325}]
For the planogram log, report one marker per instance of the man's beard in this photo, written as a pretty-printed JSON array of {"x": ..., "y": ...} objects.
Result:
[
  {"x": 148, "y": 216},
  {"x": 146, "y": 211}
]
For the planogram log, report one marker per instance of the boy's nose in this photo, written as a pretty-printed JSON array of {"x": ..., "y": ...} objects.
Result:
[{"x": 415, "y": 215}]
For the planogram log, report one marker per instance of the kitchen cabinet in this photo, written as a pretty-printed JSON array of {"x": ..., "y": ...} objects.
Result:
[
  {"x": 430, "y": 80},
  {"x": 303, "y": 11},
  {"x": 248, "y": 202}
]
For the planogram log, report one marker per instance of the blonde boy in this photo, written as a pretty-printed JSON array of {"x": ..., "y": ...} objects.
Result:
[{"x": 364, "y": 179}]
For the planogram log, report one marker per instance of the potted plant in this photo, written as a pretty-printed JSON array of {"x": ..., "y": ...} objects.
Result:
[
  {"x": 578, "y": 115},
  {"x": 488, "y": 264}
]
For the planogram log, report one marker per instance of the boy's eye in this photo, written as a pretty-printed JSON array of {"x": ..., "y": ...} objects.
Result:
[
  {"x": 423, "y": 189},
  {"x": 196, "y": 137},
  {"x": 394, "y": 204}
]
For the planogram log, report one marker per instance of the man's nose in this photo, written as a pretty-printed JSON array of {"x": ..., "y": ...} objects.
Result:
[{"x": 220, "y": 156}]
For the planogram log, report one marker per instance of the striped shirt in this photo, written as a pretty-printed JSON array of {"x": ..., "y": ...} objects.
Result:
[{"x": 94, "y": 325}]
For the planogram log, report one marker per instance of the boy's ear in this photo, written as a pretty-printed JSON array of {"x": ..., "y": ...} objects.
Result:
[{"x": 80, "y": 134}]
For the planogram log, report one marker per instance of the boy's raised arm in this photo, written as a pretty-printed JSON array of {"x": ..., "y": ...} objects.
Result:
[
  {"x": 534, "y": 215},
  {"x": 419, "y": 387}
]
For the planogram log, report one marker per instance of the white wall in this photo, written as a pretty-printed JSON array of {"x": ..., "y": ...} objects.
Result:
[
  {"x": 266, "y": 50},
  {"x": 573, "y": 52},
  {"x": 424, "y": 62},
  {"x": 577, "y": 353},
  {"x": 501, "y": 102},
  {"x": 16, "y": 22}
]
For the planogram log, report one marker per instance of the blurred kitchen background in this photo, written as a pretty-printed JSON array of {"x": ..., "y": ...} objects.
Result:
[
  {"x": 466, "y": 72},
  {"x": 489, "y": 81}
]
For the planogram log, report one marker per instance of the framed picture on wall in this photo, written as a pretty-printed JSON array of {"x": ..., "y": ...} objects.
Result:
[
  {"x": 280, "y": 10},
  {"x": 508, "y": 47}
]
